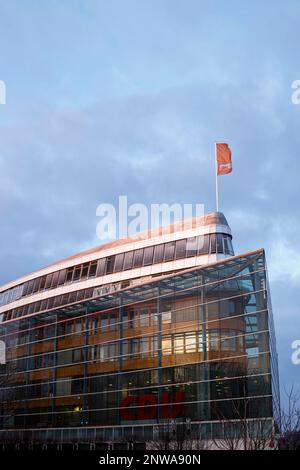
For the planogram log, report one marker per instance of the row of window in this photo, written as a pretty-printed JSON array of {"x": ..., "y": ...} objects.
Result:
[
  {"x": 214, "y": 243},
  {"x": 144, "y": 347},
  {"x": 142, "y": 317},
  {"x": 47, "y": 304}
]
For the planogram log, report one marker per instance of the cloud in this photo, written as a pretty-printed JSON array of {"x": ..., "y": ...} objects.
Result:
[{"x": 103, "y": 102}]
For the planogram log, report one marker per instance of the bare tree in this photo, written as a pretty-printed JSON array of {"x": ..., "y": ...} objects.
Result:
[
  {"x": 179, "y": 436},
  {"x": 242, "y": 425},
  {"x": 290, "y": 421}
]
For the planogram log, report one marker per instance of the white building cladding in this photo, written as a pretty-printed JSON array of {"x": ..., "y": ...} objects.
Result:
[{"x": 200, "y": 241}]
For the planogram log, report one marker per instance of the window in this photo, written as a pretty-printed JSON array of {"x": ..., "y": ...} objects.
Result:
[
  {"x": 191, "y": 246},
  {"x": 110, "y": 264},
  {"x": 178, "y": 344},
  {"x": 30, "y": 286},
  {"x": 48, "y": 281},
  {"x": 93, "y": 269},
  {"x": 166, "y": 345},
  {"x": 145, "y": 347},
  {"x": 125, "y": 322},
  {"x": 213, "y": 243},
  {"x": 228, "y": 245},
  {"x": 203, "y": 244},
  {"x": 148, "y": 256},
  {"x": 62, "y": 277},
  {"x": 113, "y": 322},
  {"x": 44, "y": 304},
  {"x": 125, "y": 347},
  {"x": 55, "y": 279},
  {"x": 220, "y": 243},
  {"x": 158, "y": 253},
  {"x": 190, "y": 343},
  {"x": 214, "y": 340},
  {"x": 101, "y": 266},
  {"x": 180, "y": 249},
  {"x": 166, "y": 317},
  {"x": 169, "y": 251},
  {"x": 77, "y": 355},
  {"x": 85, "y": 269},
  {"x": 231, "y": 252},
  {"x": 128, "y": 258},
  {"x": 77, "y": 272},
  {"x": 135, "y": 346},
  {"x": 104, "y": 324},
  {"x": 36, "y": 285},
  {"x": 144, "y": 318},
  {"x": 69, "y": 275},
  {"x": 119, "y": 262},
  {"x": 200, "y": 341},
  {"x": 138, "y": 258},
  {"x": 135, "y": 319}
]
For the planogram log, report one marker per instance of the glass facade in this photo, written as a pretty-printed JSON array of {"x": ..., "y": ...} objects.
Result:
[{"x": 196, "y": 348}]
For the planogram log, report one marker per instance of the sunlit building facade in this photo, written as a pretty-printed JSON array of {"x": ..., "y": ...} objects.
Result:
[{"x": 165, "y": 332}]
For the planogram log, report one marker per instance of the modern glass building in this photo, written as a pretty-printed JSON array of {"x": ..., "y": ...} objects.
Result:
[{"x": 166, "y": 332}]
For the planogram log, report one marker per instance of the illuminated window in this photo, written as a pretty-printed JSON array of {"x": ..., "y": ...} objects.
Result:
[
  {"x": 190, "y": 343},
  {"x": 166, "y": 317},
  {"x": 166, "y": 345},
  {"x": 179, "y": 344}
]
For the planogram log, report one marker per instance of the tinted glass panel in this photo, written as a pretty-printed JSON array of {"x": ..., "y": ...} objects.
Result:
[
  {"x": 119, "y": 262},
  {"x": 93, "y": 269},
  {"x": 203, "y": 244},
  {"x": 36, "y": 284},
  {"x": 25, "y": 290},
  {"x": 69, "y": 274},
  {"x": 180, "y": 249},
  {"x": 77, "y": 272},
  {"x": 169, "y": 251},
  {"x": 48, "y": 281},
  {"x": 55, "y": 279},
  {"x": 128, "y": 260},
  {"x": 158, "y": 253},
  {"x": 62, "y": 277},
  {"x": 84, "y": 272},
  {"x": 226, "y": 246},
  {"x": 219, "y": 243},
  {"x": 191, "y": 246},
  {"x": 231, "y": 252},
  {"x": 101, "y": 266},
  {"x": 213, "y": 243},
  {"x": 148, "y": 255},
  {"x": 110, "y": 264},
  {"x": 30, "y": 287},
  {"x": 138, "y": 258}
]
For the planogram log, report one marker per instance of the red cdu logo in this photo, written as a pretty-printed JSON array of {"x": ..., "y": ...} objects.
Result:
[{"x": 145, "y": 407}]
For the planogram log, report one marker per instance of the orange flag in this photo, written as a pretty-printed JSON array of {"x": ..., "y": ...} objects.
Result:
[{"x": 223, "y": 155}]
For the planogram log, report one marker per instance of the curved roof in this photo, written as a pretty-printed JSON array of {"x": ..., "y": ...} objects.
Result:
[{"x": 214, "y": 218}]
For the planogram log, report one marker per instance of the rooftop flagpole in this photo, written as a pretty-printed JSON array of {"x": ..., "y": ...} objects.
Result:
[{"x": 217, "y": 187}]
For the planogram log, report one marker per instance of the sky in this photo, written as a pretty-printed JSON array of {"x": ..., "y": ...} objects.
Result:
[{"x": 127, "y": 97}]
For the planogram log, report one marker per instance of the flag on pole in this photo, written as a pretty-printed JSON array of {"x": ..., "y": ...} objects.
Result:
[{"x": 223, "y": 156}]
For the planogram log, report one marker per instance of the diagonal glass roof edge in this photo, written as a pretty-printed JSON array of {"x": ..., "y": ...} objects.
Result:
[
  {"x": 164, "y": 279},
  {"x": 94, "y": 301}
]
